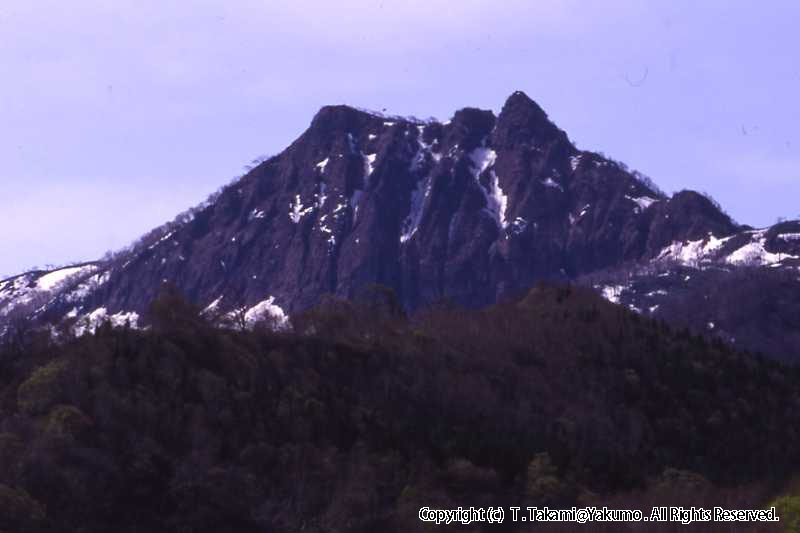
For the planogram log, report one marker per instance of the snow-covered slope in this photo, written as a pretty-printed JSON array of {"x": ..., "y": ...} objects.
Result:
[{"x": 743, "y": 288}]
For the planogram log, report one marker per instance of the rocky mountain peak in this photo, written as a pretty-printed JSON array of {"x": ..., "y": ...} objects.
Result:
[
  {"x": 469, "y": 128},
  {"x": 337, "y": 117},
  {"x": 468, "y": 211},
  {"x": 519, "y": 102},
  {"x": 523, "y": 121}
]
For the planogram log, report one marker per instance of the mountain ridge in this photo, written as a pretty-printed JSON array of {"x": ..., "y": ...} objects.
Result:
[{"x": 469, "y": 210}]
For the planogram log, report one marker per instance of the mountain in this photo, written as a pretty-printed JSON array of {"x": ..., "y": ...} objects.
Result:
[{"x": 470, "y": 211}]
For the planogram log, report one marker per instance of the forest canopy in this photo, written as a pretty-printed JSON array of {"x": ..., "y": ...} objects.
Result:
[{"x": 362, "y": 415}]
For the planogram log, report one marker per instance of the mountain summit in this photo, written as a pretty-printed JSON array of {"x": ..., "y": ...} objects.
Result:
[{"x": 470, "y": 211}]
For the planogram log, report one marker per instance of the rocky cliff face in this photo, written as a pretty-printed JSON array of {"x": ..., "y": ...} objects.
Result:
[{"x": 468, "y": 211}]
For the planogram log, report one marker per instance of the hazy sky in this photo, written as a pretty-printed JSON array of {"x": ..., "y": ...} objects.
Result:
[{"x": 115, "y": 116}]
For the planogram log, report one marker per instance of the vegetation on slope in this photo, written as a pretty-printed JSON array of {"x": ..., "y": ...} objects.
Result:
[{"x": 363, "y": 415}]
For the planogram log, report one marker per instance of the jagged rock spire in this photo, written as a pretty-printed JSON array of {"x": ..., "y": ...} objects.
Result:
[{"x": 522, "y": 121}]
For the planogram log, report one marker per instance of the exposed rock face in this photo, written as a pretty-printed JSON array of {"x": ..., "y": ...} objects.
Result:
[
  {"x": 467, "y": 211},
  {"x": 464, "y": 211}
]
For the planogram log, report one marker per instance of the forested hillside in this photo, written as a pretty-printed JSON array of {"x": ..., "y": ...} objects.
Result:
[{"x": 363, "y": 415}]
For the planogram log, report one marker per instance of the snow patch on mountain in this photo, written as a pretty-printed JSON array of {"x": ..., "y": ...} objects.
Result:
[
  {"x": 265, "y": 310},
  {"x": 88, "y": 286},
  {"x": 498, "y": 201},
  {"x": 39, "y": 288},
  {"x": 321, "y": 196},
  {"x": 355, "y": 199},
  {"x": 424, "y": 150},
  {"x": 162, "y": 239},
  {"x": 422, "y": 189},
  {"x": 550, "y": 183},
  {"x": 643, "y": 202},
  {"x": 519, "y": 225},
  {"x": 658, "y": 292},
  {"x": 91, "y": 321},
  {"x": 612, "y": 293},
  {"x": 755, "y": 253},
  {"x": 483, "y": 158},
  {"x": 419, "y": 196},
  {"x": 692, "y": 253},
  {"x": 15, "y": 292},
  {"x": 297, "y": 210},
  {"x": 54, "y": 279},
  {"x": 213, "y": 306},
  {"x": 325, "y": 229},
  {"x": 369, "y": 167}
]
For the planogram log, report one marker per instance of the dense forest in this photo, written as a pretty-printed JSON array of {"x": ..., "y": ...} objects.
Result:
[{"x": 361, "y": 415}]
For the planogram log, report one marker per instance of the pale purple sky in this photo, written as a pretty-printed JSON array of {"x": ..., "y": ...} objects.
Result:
[{"x": 115, "y": 116}]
